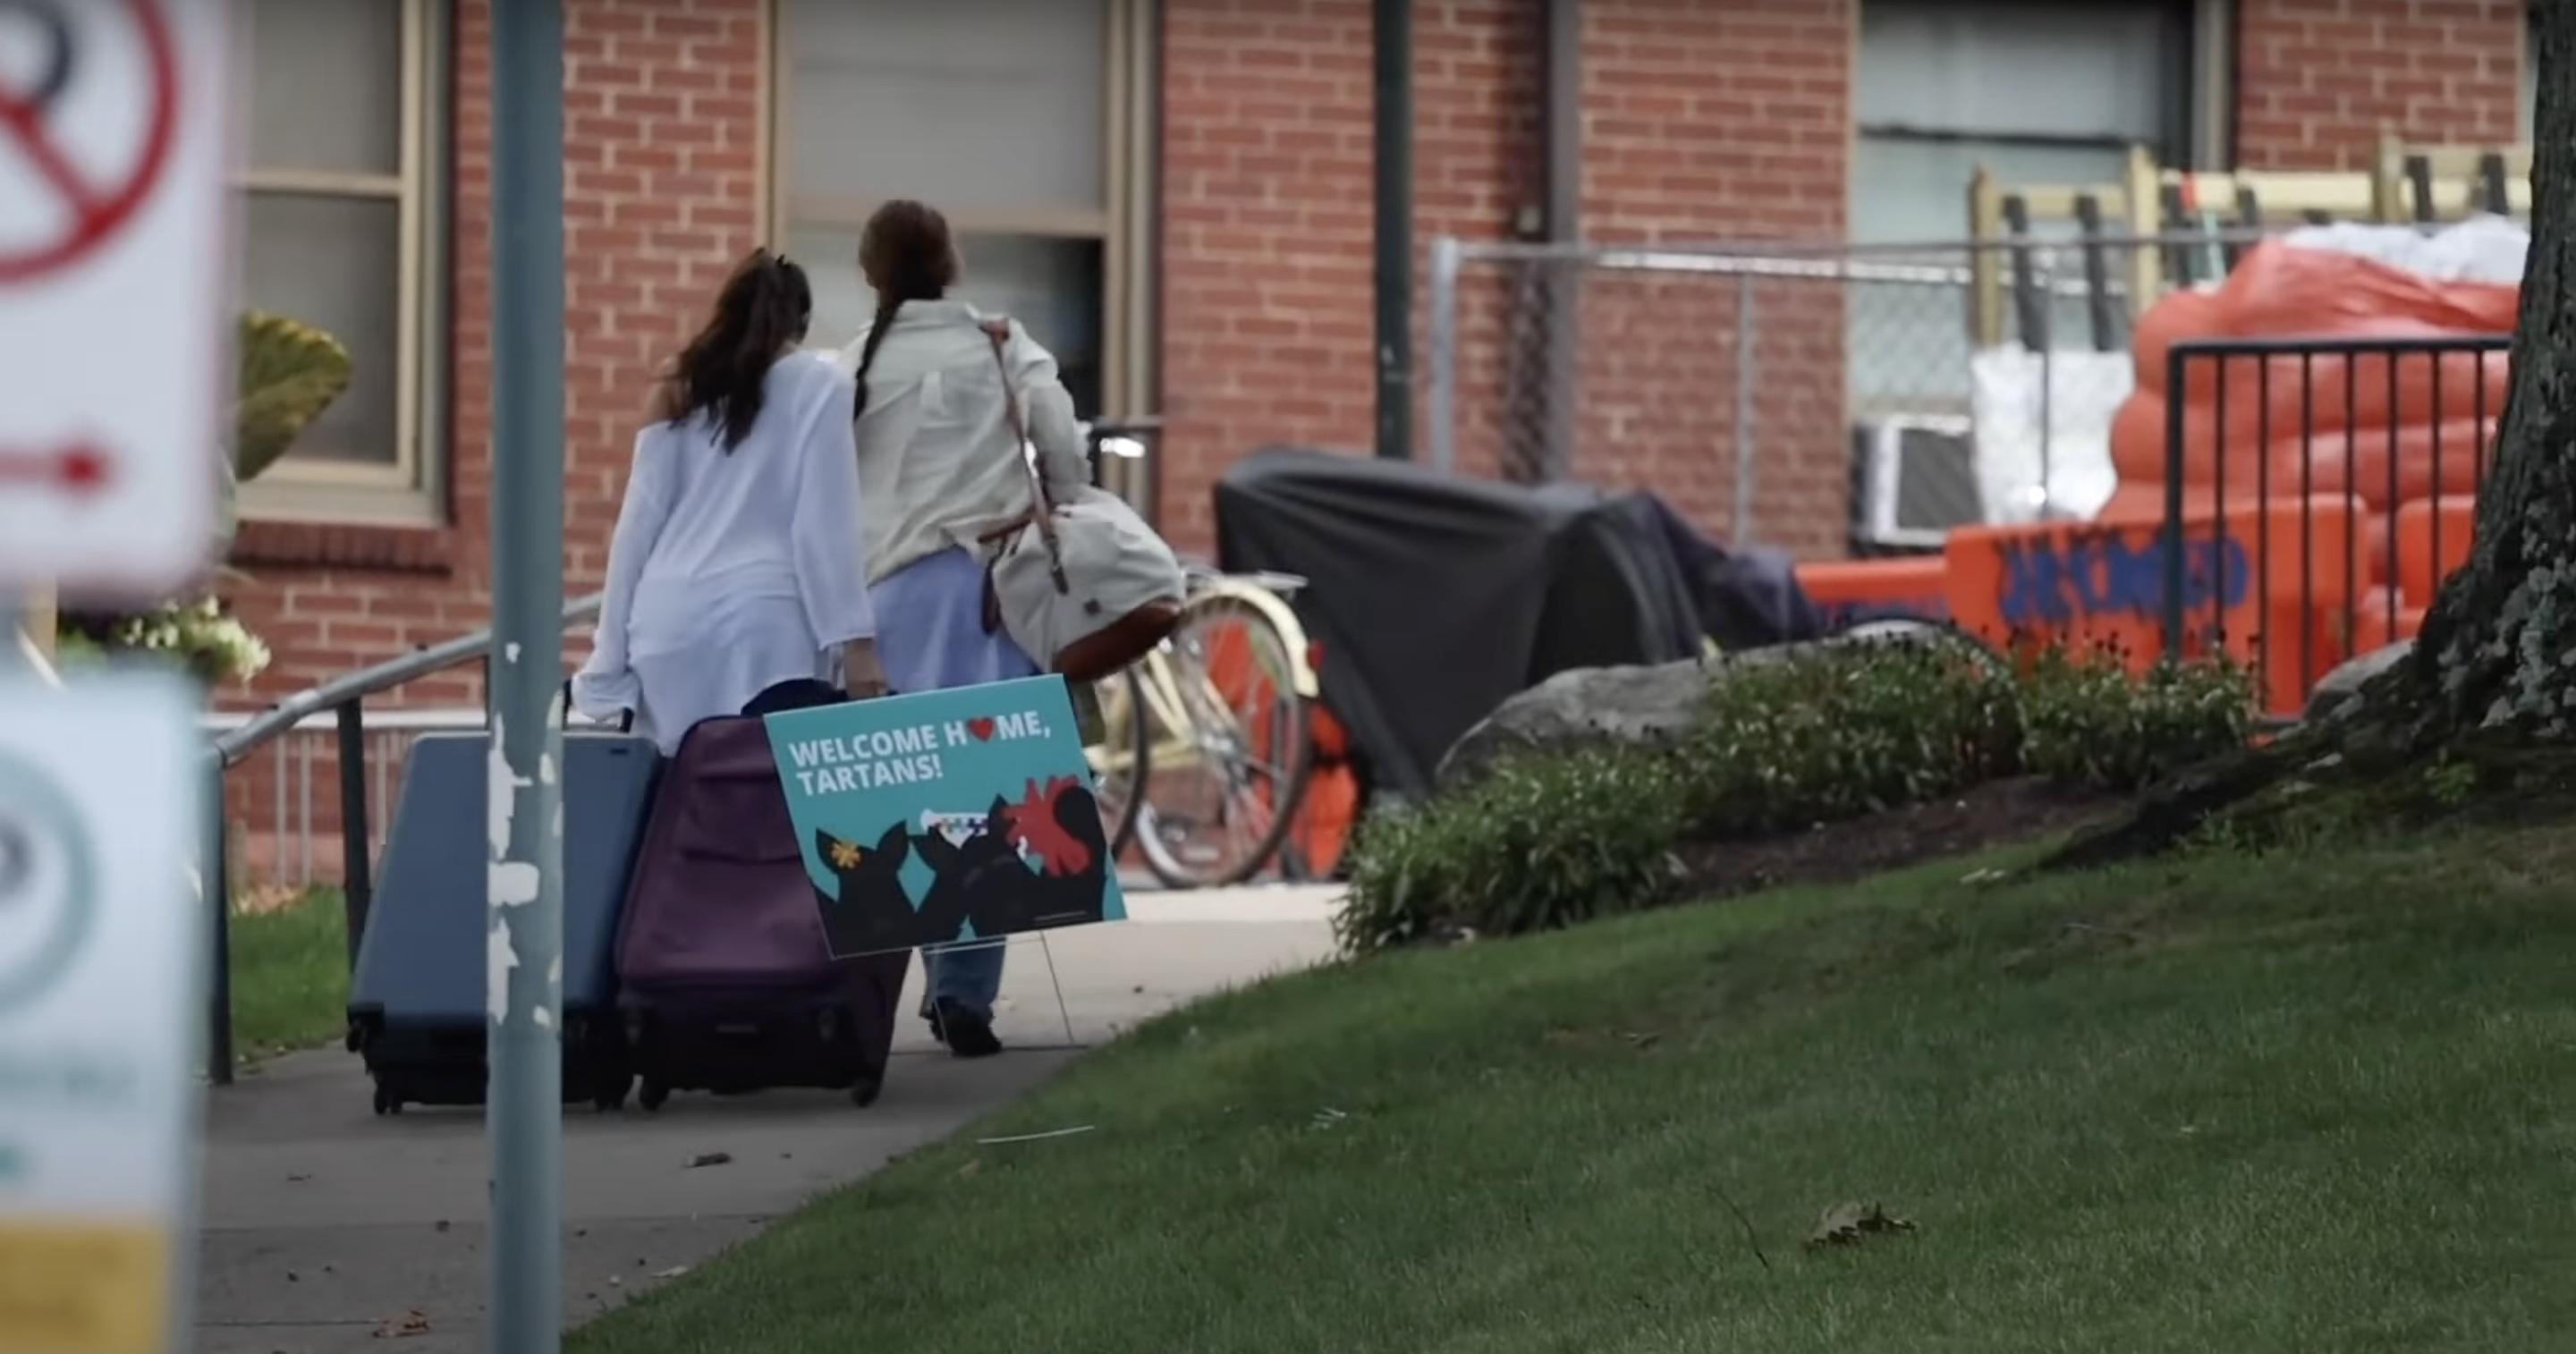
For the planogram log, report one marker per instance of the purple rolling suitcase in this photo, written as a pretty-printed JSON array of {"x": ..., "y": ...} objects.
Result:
[{"x": 725, "y": 978}]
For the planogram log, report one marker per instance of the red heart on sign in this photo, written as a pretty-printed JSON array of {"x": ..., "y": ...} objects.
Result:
[{"x": 981, "y": 728}]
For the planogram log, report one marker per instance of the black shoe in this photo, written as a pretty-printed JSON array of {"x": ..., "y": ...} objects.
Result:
[{"x": 967, "y": 1034}]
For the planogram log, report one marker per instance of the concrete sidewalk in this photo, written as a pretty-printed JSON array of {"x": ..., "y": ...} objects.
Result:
[{"x": 327, "y": 1229}]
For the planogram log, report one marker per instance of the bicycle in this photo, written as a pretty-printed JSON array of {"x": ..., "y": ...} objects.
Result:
[{"x": 1205, "y": 747}]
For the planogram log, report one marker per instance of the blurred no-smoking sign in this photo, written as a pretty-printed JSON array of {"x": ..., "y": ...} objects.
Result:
[{"x": 114, "y": 278}]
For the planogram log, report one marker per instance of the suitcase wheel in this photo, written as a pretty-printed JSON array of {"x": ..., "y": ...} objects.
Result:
[
  {"x": 652, "y": 1096},
  {"x": 866, "y": 1091},
  {"x": 611, "y": 1096}
]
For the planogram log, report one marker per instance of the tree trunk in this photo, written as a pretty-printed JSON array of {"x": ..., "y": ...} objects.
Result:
[{"x": 2500, "y": 645}]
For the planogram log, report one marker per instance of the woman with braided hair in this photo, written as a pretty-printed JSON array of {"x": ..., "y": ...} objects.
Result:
[{"x": 940, "y": 473}]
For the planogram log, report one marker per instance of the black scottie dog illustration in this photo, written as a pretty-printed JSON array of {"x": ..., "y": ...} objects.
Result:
[{"x": 873, "y": 913}]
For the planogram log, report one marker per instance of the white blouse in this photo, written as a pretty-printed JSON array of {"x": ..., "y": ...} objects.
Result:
[
  {"x": 937, "y": 465},
  {"x": 732, "y": 571}
]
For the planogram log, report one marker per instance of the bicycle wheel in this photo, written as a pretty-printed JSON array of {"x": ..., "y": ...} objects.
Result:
[
  {"x": 1121, "y": 756},
  {"x": 1231, "y": 747}
]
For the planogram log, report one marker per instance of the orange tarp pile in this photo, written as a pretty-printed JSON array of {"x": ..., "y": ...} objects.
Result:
[{"x": 2364, "y": 416}]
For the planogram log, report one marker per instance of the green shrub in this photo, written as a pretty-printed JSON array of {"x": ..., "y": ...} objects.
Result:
[
  {"x": 1847, "y": 731},
  {"x": 2089, "y": 721},
  {"x": 1552, "y": 839},
  {"x": 1541, "y": 842}
]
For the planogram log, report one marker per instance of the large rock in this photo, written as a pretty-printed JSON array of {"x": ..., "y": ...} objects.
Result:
[
  {"x": 2343, "y": 685},
  {"x": 1594, "y": 706}
]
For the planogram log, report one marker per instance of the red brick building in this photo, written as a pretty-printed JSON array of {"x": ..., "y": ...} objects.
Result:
[{"x": 1174, "y": 193}]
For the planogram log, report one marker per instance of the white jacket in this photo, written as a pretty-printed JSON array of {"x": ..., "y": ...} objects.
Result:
[
  {"x": 937, "y": 466},
  {"x": 731, "y": 571}
]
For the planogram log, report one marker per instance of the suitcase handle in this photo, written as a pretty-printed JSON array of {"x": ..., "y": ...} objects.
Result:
[{"x": 625, "y": 718}]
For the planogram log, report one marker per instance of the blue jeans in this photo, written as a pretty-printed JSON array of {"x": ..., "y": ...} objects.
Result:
[{"x": 969, "y": 974}]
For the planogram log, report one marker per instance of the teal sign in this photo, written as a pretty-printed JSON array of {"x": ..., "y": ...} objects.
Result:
[{"x": 950, "y": 815}]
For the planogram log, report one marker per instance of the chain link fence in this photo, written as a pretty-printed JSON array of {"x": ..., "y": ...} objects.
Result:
[{"x": 1822, "y": 399}]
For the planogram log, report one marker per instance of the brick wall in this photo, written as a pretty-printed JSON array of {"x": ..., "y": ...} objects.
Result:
[
  {"x": 1717, "y": 122},
  {"x": 662, "y": 183},
  {"x": 1267, "y": 211},
  {"x": 2317, "y": 80},
  {"x": 1702, "y": 122}
]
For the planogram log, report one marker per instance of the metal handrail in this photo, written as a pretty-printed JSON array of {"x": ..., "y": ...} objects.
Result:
[
  {"x": 280, "y": 719},
  {"x": 343, "y": 698}
]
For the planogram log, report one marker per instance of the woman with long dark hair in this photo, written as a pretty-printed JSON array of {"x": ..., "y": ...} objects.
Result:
[
  {"x": 737, "y": 563},
  {"x": 940, "y": 473}
]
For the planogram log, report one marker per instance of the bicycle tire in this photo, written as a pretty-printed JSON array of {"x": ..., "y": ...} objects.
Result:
[
  {"x": 1290, "y": 776},
  {"x": 1120, "y": 821}
]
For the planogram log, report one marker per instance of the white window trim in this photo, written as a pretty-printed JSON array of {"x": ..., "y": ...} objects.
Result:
[
  {"x": 409, "y": 490},
  {"x": 1124, "y": 229}
]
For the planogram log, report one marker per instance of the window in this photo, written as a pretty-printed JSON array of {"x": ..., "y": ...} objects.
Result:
[
  {"x": 336, "y": 229},
  {"x": 2035, "y": 90},
  {"x": 1024, "y": 121},
  {"x": 2038, "y": 92}
]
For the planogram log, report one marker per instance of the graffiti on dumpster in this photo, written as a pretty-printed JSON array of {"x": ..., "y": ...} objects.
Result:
[{"x": 2099, "y": 575}]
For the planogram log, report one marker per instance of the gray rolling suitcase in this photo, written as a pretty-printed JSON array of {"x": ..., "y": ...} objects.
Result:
[{"x": 416, "y": 1000}]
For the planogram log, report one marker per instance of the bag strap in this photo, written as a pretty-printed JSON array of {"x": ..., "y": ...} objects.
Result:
[{"x": 997, "y": 332}]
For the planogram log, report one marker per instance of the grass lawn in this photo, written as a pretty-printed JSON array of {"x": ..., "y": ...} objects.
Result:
[
  {"x": 2310, "y": 1101},
  {"x": 290, "y": 976}
]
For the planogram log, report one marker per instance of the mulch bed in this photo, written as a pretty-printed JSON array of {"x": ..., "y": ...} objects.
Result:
[{"x": 1997, "y": 814}]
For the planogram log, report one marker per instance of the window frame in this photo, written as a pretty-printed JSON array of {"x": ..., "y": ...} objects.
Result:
[
  {"x": 2185, "y": 118},
  {"x": 408, "y": 490},
  {"x": 1123, "y": 229}
]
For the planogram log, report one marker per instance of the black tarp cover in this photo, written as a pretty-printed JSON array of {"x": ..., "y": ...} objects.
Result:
[{"x": 1437, "y": 597}]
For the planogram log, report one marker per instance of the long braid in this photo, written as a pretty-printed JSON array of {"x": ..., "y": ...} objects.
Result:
[
  {"x": 907, "y": 255},
  {"x": 887, "y": 304}
]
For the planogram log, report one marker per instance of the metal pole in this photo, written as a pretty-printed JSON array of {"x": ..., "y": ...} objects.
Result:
[
  {"x": 1746, "y": 332},
  {"x": 1446, "y": 255},
  {"x": 1393, "y": 46},
  {"x": 357, "y": 892},
  {"x": 217, "y": 880},
  {"x": 525, "y": 1118},
  {"x": 1562, "y": 62},
  {"x": 2176, "y": 371}
]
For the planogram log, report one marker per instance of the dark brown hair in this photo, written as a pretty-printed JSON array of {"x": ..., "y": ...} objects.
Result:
[
  {"x": 907, "y": 255},
  {"x": 765, "y": 306}
]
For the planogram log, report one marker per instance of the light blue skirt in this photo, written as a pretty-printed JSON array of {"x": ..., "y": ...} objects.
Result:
[{"x": 930, "y": 627}]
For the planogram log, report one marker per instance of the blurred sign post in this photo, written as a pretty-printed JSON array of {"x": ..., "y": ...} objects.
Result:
[{"x": 114, "y": 282}]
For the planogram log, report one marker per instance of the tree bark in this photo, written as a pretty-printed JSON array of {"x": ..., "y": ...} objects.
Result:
[{"x": 2499, "y": 647}]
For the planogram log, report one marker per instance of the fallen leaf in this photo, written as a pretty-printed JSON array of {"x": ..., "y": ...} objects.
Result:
[
  {"x": 404, "y": 1327},
  {"x": 710, "y": 1159},
  {"x": 1844, "y": 1224}
]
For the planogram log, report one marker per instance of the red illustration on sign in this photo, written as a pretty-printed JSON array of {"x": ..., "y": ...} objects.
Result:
[{"x": 97, "y": 207}]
